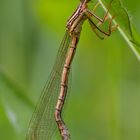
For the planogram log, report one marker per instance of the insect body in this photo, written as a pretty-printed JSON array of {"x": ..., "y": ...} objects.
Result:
[{"x": 42, "y": 125}]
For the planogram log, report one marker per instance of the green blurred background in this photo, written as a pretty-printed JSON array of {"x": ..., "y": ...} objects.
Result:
[{"x": 104, "y": 101}]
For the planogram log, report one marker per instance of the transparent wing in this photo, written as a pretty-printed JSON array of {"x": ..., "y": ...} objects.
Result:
[{"x": 42, "y": 125}]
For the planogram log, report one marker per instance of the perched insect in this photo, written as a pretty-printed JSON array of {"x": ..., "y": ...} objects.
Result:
[{"x": 49, "y": 108}]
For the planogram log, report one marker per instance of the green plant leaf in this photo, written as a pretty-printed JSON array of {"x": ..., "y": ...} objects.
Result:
[
  {"x": 15, "y": 108},
  {"x": 125, "y": 24}
]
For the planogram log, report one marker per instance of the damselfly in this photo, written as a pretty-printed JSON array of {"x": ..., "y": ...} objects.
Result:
[{"x": 47, "y": 116}]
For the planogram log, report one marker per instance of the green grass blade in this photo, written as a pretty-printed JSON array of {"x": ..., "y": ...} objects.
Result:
[{"x": 126, "y": 27}]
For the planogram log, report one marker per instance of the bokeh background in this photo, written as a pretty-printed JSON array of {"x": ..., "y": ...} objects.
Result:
[{"x": 104, "y": 101}]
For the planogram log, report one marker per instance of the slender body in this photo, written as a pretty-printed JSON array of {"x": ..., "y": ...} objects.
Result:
[
  {"x": 49, "y": 108},
  {"x": 63, "y": 91},
  {"x": 74, "y": 26}
]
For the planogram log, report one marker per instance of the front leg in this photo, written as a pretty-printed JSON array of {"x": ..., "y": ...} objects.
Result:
[
  {"x": 96, "y": 26},
  {"x": 92, "y": 13}
]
